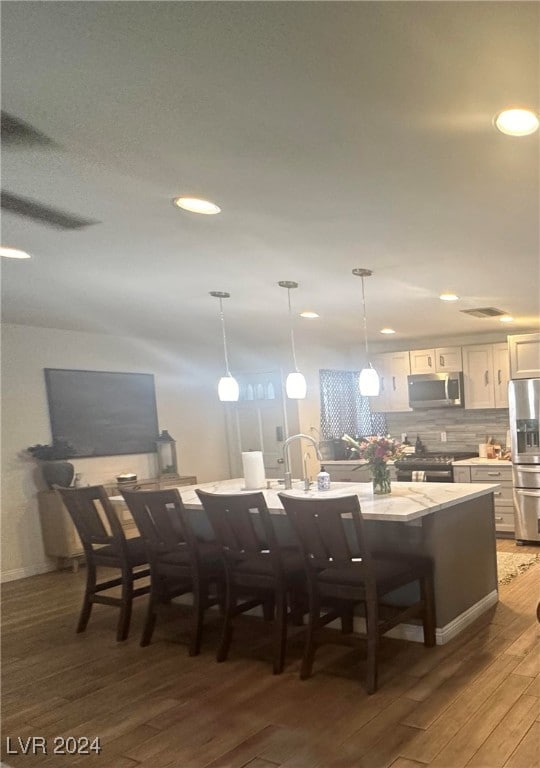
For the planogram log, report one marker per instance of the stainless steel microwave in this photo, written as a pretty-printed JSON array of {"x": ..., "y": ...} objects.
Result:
[{"x": 436, "y": 390}]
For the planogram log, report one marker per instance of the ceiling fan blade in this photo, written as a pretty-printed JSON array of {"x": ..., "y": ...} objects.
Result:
[
  {"x": 43, "y": 214},
  {"x": 17, "y": 133}
]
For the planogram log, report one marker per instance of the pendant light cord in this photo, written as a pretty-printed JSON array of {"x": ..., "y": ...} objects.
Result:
[
  {"x": 292, "y": 332},
  {"x": 224, "y": 337},
  {"x": 365, "y": 322}
]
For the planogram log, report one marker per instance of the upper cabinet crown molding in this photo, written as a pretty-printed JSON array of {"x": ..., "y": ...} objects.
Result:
[
  {"x": 437, "y": 360},
  {"x": 524, "y": 352}
]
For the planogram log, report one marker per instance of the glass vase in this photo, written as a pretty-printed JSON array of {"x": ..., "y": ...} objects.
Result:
[{"x": 380, "y": 476}]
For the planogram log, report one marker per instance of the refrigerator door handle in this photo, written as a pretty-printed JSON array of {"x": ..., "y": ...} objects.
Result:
[
  {"x": 533, "y": 470},
  {"x": 536, "y": 494}
]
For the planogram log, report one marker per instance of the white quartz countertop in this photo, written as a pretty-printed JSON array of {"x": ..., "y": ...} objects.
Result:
[
  {"x": 482, "y": 462},
  {"x": 407, "y": 502}
]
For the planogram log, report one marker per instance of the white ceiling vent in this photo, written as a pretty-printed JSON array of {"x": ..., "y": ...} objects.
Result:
[{"x": 484, "y": 312}]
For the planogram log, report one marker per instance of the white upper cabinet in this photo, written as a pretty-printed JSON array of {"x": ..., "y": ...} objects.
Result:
[
  {"x": 436, "y": 360},
  {"x": 485, "y": 374},
  {"x": 501, "y": 374},
  {"x": 524, "y": 356},
  {"x": 393, "y": 369}
]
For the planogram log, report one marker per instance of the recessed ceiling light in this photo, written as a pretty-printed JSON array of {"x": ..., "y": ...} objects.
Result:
[
  {"x": 448, "y": 297},
  {"x": 197, "y": 205},
  {"x": 387, "y": 330},
  {"x": 14, "y": 253},
  {"x": 308, "y": 314},
  {"x": 517, "y": 122},
  {"x": 506, "y": 319}
]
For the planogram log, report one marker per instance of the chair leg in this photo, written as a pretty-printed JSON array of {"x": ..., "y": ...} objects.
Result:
[
  {"x": 125, "y": 607},
  {"x": 309, "y": 648},
  {"x": 227, "y": 630},
  {"x": 297, "y": 609},
  {"x": 347, "y": 619},
  {"x": 200, "y": 599},
  {"x": 150, "y": 621},
  {"x": 269, "y": 607},
  {"x": 89, "y": 592},
  {"x": 280, "y": 632},
  {"x": 427, "y": 593},
  {"x": 372, "y": 632}
]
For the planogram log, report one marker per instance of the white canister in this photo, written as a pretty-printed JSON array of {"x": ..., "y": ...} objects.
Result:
[{"x": 483, "y": 450}]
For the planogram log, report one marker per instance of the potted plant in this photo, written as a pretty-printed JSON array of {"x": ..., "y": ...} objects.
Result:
[{"x": 56, "y": 470}]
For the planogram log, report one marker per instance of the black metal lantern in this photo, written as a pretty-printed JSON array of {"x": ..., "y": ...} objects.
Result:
[{"x": 166, "y": 454}]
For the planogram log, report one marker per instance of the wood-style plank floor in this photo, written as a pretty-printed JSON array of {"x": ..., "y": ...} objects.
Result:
[{"x": 473, "y": 702}]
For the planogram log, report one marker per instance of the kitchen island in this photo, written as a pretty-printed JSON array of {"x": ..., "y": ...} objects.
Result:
[{"x": 453, "y": 523}]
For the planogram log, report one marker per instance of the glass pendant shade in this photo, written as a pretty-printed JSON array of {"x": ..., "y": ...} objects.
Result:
[
  {"x": 368, "y": 382},
  {"x": 296, "y": 386},
  {"x": 228, "y": 389}
]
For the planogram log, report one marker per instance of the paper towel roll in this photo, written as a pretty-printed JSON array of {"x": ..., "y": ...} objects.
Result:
[{"x": 252, "y": 462}]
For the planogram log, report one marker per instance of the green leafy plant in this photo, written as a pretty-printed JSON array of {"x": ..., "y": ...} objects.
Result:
[{"x": 58, "y": 449}]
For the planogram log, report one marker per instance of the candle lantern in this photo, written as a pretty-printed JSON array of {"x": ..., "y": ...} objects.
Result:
[{"x": 166, "y": 454}]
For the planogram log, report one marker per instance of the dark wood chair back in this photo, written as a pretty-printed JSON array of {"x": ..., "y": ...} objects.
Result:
[
  {"x": 243, "y": 526},
  {"x": 325, "y": 539},
  {"x": 94, "y": 518},
  {"x": 161, "y": 519}
]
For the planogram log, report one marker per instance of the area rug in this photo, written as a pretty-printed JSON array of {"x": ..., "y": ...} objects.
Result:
[{"x": 511, "y": 564}]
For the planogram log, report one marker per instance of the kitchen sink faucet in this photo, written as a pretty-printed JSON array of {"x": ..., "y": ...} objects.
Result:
[{"x": 287, "y": 458}]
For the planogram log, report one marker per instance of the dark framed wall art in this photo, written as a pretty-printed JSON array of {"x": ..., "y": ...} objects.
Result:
[{"x": 102, "y": 413}]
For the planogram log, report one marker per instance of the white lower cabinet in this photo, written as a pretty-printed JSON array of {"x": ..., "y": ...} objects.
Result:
[{"x": 504, "y": 501}]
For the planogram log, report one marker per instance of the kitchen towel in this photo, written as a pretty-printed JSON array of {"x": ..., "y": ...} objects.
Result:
[
  {"x": 254, "y": 476},
  {"x": 418, "y": 476}
]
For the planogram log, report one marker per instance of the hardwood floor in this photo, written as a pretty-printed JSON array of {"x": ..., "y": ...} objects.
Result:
[{"x": 473, "y": 702}]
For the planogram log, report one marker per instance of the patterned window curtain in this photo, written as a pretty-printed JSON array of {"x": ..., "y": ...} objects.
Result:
[{"x": 344, "y": 410}]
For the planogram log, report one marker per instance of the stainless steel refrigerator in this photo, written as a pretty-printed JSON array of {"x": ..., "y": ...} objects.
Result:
[{"x": 524, "y": 404}]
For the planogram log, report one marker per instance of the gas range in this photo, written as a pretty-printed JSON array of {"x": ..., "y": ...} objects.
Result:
[{"x": 430, "y": 467}]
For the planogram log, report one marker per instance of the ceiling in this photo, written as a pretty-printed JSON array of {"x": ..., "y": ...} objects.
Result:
[{"x": 332, "y": 135}]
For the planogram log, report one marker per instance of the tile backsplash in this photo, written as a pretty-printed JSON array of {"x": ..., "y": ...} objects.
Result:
[{"x": 464, "y": 429}]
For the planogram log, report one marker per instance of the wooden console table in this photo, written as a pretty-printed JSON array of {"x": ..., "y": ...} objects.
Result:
[{"x": 60, "y": 538}]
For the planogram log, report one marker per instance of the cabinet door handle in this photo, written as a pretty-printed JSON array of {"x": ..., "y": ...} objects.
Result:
[
  {"x": 499, "y": 380},
  {"x": 486, "y": 378},
  {"x": 441, "y": 361},
  {"x": 382, "y": 384},
  {"x": 498, "y": 518},
  {"x": 429, "y": 361},
  {"x": 498, "y": 493},
  {"x": 494, "y": 474},
  {"x": 394, "y": 383}
]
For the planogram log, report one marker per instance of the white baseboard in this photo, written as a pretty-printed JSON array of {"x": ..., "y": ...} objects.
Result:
[
  {"x": 30, "y": 570},
  {"x": 457, "y": 625},
  {"x": 414, "y": 632}
]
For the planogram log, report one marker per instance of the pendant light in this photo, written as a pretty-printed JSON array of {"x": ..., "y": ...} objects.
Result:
[
  {"x": 295, "y": 385},
  {"x": 368, "y": 381},
  {"x": 228, "y": 389}
]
